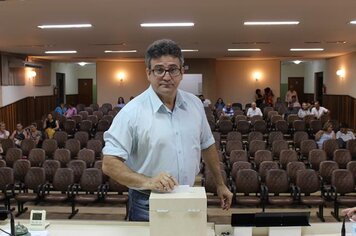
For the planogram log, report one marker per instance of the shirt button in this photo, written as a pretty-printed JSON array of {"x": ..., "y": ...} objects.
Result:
[
  {"x": 177, "y": 133},
  {"x": 179, "y": 152}
]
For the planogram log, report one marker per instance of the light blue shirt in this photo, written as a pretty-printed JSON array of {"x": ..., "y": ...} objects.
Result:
[{"x": 153, "y": 139}]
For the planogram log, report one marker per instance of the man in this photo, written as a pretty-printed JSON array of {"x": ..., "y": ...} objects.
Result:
[
  {"x": 206, "y": 102},
  {"x": 303, "y": 111},
  {"x": 227, "y": 110},
  {"x": 318, "y": 110},
  {"x": 71, "y": 111},
  {"x": 290, "y": 93},
  {"x": 156, "y": 140},
  {"x": 4, "y": 134},
  {"x": 254, "y": 111},
  {"x": 61, "y": 109},
  {"x": 344, "y": 135}
]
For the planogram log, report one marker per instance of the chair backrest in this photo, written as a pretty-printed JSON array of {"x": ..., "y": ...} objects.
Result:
[
  {"x": 298, "y": 137},
  {"x": 77, "y": 118},
  {"x": 351, "y": 166},
  {"x": 78, "y": 167},
  {"x": 270, "y": 114},
  {"x": 260, "y": 126},
  {"x": 37, "y": 157},
  {"x": 225, "y": 126},
  {"x": 63, "y": 156},
  {"x": 234, "y": 135},
  {"x": 96, "y": 146},
  {"x": 91, "y": 179},
  {"x": 266, "y": 110},
  {"x": 351, "y": 146},
  {"x": 117, "y": 187},
  {"x": 256, "y": 145},
  {"x": 90, "y": 110},
  {"x": 255, "y": 118},
  {"x": 273, "y": 136},
  {"x": 306, "y": 146},
  {"x": 107, "y": 105},
  {"x": 94, "y": 106},
  {"x": 80, "y": 107},
  {"x": 308, "y": 181},
  {"x": 50, "y": 167},
  {"x": 49, "y": 146},
  {"x": 21, "y": 168},
  {"x": 262, "y": 155},
  {"x": 209, "y": 182},
  {"x": 343, "y": 181},
  {"x": 282, "y": 126},
  {"x": 61, "y": 137},
  {"x": 27, "y": 145},
  {"x": 315, "y": 126},
  {"x": 86, "y": 125},
  {"x": 99, "y": 135},
  {"x": 278, "y": 146},
  {"x": 292, "y": 168},
  {"x": 291, "y": 118},
  {"x": 239, "y": 165},
  {"x": 83, "y": 138},
  {"x": 62, "y": 179},
  {"x": 238, "y": 155},
  {"x": 94, "y": 119},
  {"x": 316, "y": 156},
  {"x": 217, "y": 138},
  {"x": 103, "y": 125},
  {"x": 325, "y": 170},
  {"x": 240, "y": 117},
  {"x": 233, "y": 145},
  {"x": 87, "y": 155},
  {"x": 6, "y": 144},
  {"x": 276, "y": 118},
  {"x": 34, "y": 178},
  {"x": 299, "y": 125},
  {"x": 243, "y": 126},
  {"x": 69, "y": 127},
  {"x": 286, "y": 156},
  {"x": 277, "y": 181},
  {"x": 342, "y": 157},
  {"x": 254, "y": 135},
  {"x": 266, "y": 166},
  {"x": 6, "y": 177},
  {"x": 12, "y": 155},
  {"x": 84, "y": 114},
  {"x": 329, "y": 146},
  {"x": 98, "y": 114},
  {"x": 109, "y": 118},
  {"x": 247, "y": 181},
  {"x": 2, "y": 163},
  {"x": 73, "y": 145}
]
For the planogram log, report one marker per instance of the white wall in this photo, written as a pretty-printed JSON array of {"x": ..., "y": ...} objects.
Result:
[
  {"x": 86, "y": 72},
  {"x": 291, "y": 70},
  {"x": 311, "y": 67}
]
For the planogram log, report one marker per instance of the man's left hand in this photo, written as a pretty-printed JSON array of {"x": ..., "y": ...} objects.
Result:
[{"x": 225, "y": 196}]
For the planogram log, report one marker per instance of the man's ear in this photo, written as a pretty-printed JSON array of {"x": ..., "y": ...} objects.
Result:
[{"x": 148, "y": 73}]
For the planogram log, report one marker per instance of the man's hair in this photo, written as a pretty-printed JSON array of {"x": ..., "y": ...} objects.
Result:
[
  {"x": 34, "y": 125},
  {"x": 163, "y": 47}
]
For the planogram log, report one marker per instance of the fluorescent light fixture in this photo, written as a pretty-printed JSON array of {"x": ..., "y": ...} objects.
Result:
[
  {"x": 353, "y": 22},
  {"x": 182, "y": 24},
  {"x": 190, "y": 50},
  {"x": 244, "y": 49},
  {"x": 69, "y": 26},
  {"x": 306, "y": 49},
  {"x": 120, "y": 51},
  {"x": 83, "y": 63},
  {"x": 271, "y": 22},
  {"x": 60, "y": 52},
  {"x": 297, "y": 62}
]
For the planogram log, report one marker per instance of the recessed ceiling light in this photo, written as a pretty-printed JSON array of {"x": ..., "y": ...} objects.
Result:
[
  {"x": 190, "y": 50},
  {"x": 83, "y": 63},
  {"x": 244, "y": 49},
  {"x": 60, "y": 52},
  {"x": 271, "y": 22},
  {"x": 306, "y": 49},
  {"x": 69, "y": 26},
  {"x": 183, "y": 24},
  {"x": 353, "y": 22},
  {"x": 297, "y": 62},
  {"x": 120, "y": 51}
]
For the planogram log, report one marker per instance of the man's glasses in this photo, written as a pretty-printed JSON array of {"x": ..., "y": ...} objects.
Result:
[{"x": 161, "y": 72}]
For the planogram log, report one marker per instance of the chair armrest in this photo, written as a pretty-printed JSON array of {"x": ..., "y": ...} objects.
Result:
[
  {"x": 9, "y": 190},
  {"x": 73, "y": 189},
  {"x": 264, "y": 192},
  {"x": 333, "y": 193},
  {"x": 45, "y": 188}
]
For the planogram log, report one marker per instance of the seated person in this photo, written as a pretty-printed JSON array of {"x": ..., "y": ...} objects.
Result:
[
  {"x": 227, "y": 110},
  {"x": 325, "y": 134},
  {"x": 219, "y": 105},
  {"x": 19, "y": 134},
  {"x": 120, "y": 102},
  {"x": 4, "y": 134},
  {"x": 304, "y": 111},
  {"x": 293, "y": 106},
  {"x": 254, "y": 111},
  {"x": 344, "y": 135},
  {"x": 35, "y": 134},
  {"x": 50, "y": 125},
  {"x": 206, "y": 102},
  {"x": 61, "y": 109},
  {"x": 318, "y": 110},
  {"x": 71, "y": 111}
]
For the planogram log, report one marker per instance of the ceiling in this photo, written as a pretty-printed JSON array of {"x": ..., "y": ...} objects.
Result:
[{"x": 218, "y": 26}]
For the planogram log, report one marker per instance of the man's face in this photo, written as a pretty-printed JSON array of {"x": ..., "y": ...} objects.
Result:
[
  {"x": 305, "y": 106},
  {"x": 166, "y": 85},
  {"x": 2, "y": 127},
  {"x": 253, "y": 105},
  {"x": 19, "y": 127},
  {"x": 33, "y": 128},
  {"x": 317, "y": 105}
]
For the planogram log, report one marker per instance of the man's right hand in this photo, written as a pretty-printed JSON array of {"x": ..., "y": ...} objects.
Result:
[{"x": 163, "y": 182}]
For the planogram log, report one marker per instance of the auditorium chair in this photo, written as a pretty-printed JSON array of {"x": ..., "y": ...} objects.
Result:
[
  {"x": 59, "y": 190},
  {"x": 233, "y": 145},
  {"x": 247, "y": 190},
  {"x": 233, "y": 135},
  {"x": 80, "y": 107},
  {"x": 237, "y": 166},
  {"x": 36, "y": 157},
  {"x": 291, "y": 118},
  {"x": 266, "y": 166},
  {"x": 351, "y": 166},
  {"x": 99, "y": 165},
  {"x": 34, "y": 181},
  {"x": 265, "y": 111},
  {"x": 70, "y": 127},
  {"x": 87, "y": 155},
  {"x": 78, "y": 167},
  {"x": 50, "y": 167},
  {"x": 240, "y": 117},
  {"x": 102, "y": 126},
  {"x": 315, "y": 126},
  {"x": 237, "y": 155},
  {"x": 286, "y": 156},
  {"x": 90, "y": 110},
  {"x": 316, "y": 156},
  {"x": 99, "y": 135},
  {"x": 298, "y": 137},
  {"x": 94, "y": 120},
  {"x": 282, "y": 126},
  {"x": 254, "y": 146},
  {"x": 84, "y": 115},
  {"x": 114, "y": 193},
  {"x": 107, "y": 105},
  {"x": 292, "y": 169},
  {"x": 243, "y": 126},
  {"x": 342, "y": 190},
  {"x": 6, "y": 144},
  {"x": 308, "y": 188},
  {"x": 63, "y": 156},
  {"x": 270, "y": 114},
  {"x": 307, "y": 119},
  {"x": 112, "y": 113},
  {"x": 305, "y": 147},
  {"x": 89, "y": 189},
  {"x": 86, "y": 126},
  {"x": 21, "y": 168},
  {"x": 225, "y": 126},
  {"x": 12, "y": 155},
  {"x": 260, "y": 126},
  {"x": 274, "y": 135},
  {"x": 98, "y": 114},
  {"x": 351, "y": 146},
  {"x": 299, "y": 126},
  {"x": 96, "y": 146},
  {"x": 118, "y": 109},
  {"x": 262, "y": 155},
  {"x": 94, "y": 106},
  {"x": 254, "y": 135},
  {"x": 77, "y": 119},
  {"x": 217, "y": 138},
  {"x": 6, "y": 186},
  {"x": 61, "y": 138},
  {"x": 210, "y": 187},
  {"x": 329, "y": 146},
  {"x": 26, "y": 146},
  {"x": 255, "y": 118},
  {"x": 2, "y": 163},
  {"x": 73, "y": 145},
  {"x": 109, "y": 118},
  {"x": 278, "y": 146},
  {"x": 238, "y": 113},
  {"x": 49, "y": 146},
  {"x": 82, "y": 137},
  {"x": 326, "y": 169},
  {"x": 274, "y": 120},
  {"x": 342, "y": 157}
]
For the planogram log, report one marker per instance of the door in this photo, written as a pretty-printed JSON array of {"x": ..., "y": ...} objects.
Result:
[
  {"x": 60, "y": 88},
  {"x": 319, "y": 82},
  {"x": 297, "y": 83},
  {"x": 85, "y": 91}
]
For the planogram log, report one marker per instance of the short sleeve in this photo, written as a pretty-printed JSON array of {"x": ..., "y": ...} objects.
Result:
[
  {"x": 206, "y": 138},
  {"x": 119, "y": 138}
]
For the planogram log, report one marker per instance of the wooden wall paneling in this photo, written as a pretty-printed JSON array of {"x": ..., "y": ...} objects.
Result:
[{"x": 308, "y": 97}]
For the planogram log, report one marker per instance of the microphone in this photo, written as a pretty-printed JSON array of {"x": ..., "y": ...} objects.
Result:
[{"x": 343, "y": 231}]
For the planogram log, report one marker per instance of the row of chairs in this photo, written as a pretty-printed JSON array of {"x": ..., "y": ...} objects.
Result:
[{"x": 52, "y": 183}]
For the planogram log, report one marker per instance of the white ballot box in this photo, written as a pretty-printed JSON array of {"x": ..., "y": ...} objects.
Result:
[{"x": 180, "y": 213}]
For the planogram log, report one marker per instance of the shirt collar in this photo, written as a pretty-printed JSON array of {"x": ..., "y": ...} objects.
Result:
[{"x": 157, "y": 103}]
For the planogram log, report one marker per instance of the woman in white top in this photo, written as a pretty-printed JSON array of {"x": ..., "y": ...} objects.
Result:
[
  {"x": 326, "y": 133},
  {"x": 304, "y": 111},
  {"x": 120, "y": 102},
  {"x": 4, "y": 134}
]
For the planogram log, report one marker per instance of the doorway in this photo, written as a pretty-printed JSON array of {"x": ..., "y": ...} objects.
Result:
[
  {"x": 319, "y": 83},
  {"x": 298, "y": 85},
  {"x": 60, "y": 85},
  {"x": 85, "y": 91}
]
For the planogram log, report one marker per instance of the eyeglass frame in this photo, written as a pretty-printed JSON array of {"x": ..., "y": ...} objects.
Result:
[{"x": 167, "y": 70}]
